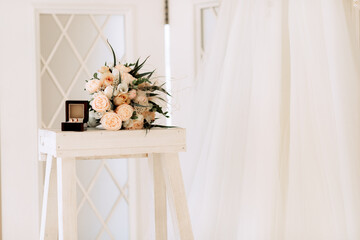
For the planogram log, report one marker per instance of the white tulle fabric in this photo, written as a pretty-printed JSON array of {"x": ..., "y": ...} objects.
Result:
[{"x": 277, "y": 144}]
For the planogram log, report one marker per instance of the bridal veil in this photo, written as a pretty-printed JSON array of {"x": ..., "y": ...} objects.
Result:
[{"x": 276, "y": 140}]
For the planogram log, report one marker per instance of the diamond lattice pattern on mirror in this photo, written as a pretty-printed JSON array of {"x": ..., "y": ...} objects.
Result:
[
  {"x": 72, "y": 48},
  {"x": 102, "y": 196}
]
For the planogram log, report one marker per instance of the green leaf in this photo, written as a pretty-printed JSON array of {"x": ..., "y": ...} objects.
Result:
[
  {"x": 151, "y": 74},
  {"x": 113, "y": 52},
  {"x": 140, "y": 81},
  {"x": 144, "y": 74},
  {"x": 158, "y": 109},
  {"x": 139, "y": 105},
  {"x": 142, "y": 64},
  {"x": 160, "y": 98},
  {"x": 136, "y": 64},
  {"x": 138, "y": 67},
  {"x": 162, "y": 126},
  {"x": 129, "y": 64},
  {"x": 119, "y": 77},
  {"x": 157, "y": 88},
  {"x": 134, "y": 116},
  {"x": 96, "y": 76}
]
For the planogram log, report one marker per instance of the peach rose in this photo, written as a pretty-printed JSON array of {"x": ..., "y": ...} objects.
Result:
[
  {"x": 93, "y": 85},
  {"x": 127, "y": 124},
  {"x": 103, "y": 69},
  {"x": 122, "y": 68},
  {"x": 100, "y": 103},
  {"x": 111, "y": 121},
  {"x": 121, "y": 99},
  {"x": 127, "y": 78},
  {"x": 125, "y": 111},
  {"x": 149, "y": 116},
  {"x": 134, "y": 124},
  {"x": 132, "y": 94},
  {"x": 137, "y": 124},
  {"x": 107, "y": 79}
]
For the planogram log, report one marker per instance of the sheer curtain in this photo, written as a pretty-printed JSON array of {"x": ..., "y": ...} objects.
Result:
[{"x": 276, "y": 138}]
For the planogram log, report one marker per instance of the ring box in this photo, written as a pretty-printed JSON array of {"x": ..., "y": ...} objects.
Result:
[{"x": 77, "y": 116}]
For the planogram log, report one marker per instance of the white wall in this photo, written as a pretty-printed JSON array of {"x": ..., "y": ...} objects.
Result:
[{"x": 18, "y": 121}]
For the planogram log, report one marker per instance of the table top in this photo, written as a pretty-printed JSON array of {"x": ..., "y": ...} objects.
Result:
[
  {"x": 92, "y": 130},
  {"x": 97, "y": 142}
]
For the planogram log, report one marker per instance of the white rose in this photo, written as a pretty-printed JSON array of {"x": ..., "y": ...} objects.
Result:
[
  {"x": 116, "y": 92},
  {"x": 109, "y": 91},
  {"x": 98, "y": 115},
  {"x": 93, "y": 122}
]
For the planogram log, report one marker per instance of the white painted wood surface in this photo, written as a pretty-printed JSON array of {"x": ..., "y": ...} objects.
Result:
[
  {"x": 159, "y": 145},
  {"x": 160, "y": 198},
  {"x": 176, "y": 194},
  {"x": 98, "y": 143},
  {"x": 66, "y": 185},
  {"x": 49, "y": 160},
  {"x": 51, "y": 231}
]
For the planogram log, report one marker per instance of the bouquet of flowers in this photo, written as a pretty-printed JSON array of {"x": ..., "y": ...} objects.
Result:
[{"x": 123, "y": 97}]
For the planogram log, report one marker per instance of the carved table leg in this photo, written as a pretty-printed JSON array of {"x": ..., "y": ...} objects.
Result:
[
  {"x": 160, "y": 199},
  {"x": 67, "y": 214},
  {"x": 176, "y": 194}
]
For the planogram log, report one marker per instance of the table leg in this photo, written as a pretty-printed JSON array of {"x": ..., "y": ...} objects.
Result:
[
  {"x": 160, "y": 199},
  {"x": 67, "y": 214},
  {"x": 49, "y": 159},
  {"x": 177, "y": 197},
  {"x": 51, "y": 231}
]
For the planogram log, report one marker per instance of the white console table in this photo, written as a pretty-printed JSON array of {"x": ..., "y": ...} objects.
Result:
[{"x": 162, "y": 145}]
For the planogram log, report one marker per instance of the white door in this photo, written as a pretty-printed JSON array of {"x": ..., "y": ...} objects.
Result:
[{"x": 66, "y": 44}]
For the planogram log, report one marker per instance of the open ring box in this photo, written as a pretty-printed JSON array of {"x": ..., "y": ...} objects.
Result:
[{"x": 77, "y": 116}]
